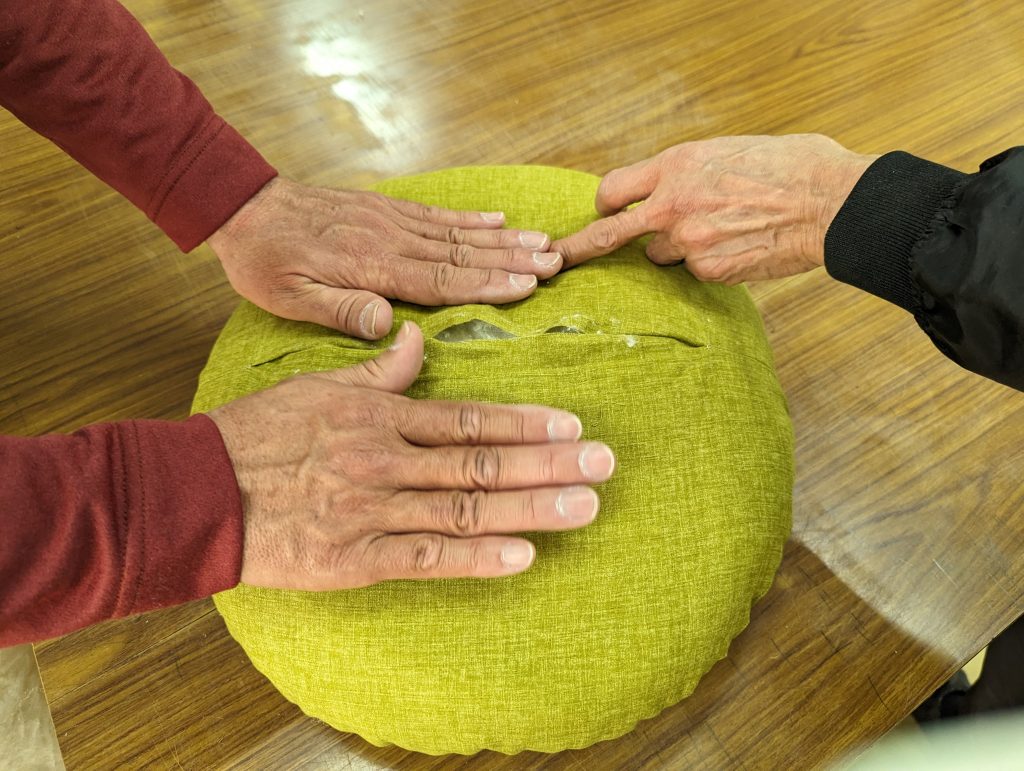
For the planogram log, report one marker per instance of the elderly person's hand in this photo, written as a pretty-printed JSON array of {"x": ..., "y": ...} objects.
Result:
[
  {"x": 346, "y": 483},
  {"x": 332, "y": 256},
  {"x": 734, "y": 208}
]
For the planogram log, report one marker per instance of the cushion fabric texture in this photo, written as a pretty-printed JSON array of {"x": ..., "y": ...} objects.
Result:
[{"x": 615, "y": 621}]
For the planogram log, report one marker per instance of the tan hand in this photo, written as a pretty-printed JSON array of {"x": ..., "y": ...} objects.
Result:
[
  {"x": 734, "y": 208},
  {"x": 332, "y": 256},
  {"x": 346, "y": 483}
]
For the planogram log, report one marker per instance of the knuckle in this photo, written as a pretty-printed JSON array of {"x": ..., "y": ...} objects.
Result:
[
  {"x": 548, "y": 472},
  {"x": 427, "y": 212},
  {"x": 718, "y": 270},
  {"x": 460, "y": 255},
  {"x": 679, "y": 207},
  {"x": 326, "y": 228},
  {"x": 369, "y": 409},
  {"x": 376, "y": 373},
  {"x": 483, "y": 468},
  {"x": 358, "y": 505},
  {"x": 334, "y": 560},
  {"x": 519, "y": 425},
  {"x": 469, "y": 426},
  {"x": 387, "y": 231},
  {"x": 355, "y": 268},
  {"x": 529, "y": 509},
  {"x": 605, "y": 236},
  {"x": 454, "y": 235},
  {"x": 695, "y": 237},
  {"x": 710, "y": 270},
  {"x": 428, "y": 553},
  {"x": 474, "y": 559},
  {"x": 345, "y": 312},
  {"x": 320, "y": 556},
  {"x": 699, "y": 269},
  {"x": 444, "y": 276},
  {"x": 467, "y": 513},
  {"x": 369, "y": 465},
  {"x": 656, "y": 255},
  {"x": 492, "y": 277},
  {"x": 658, "y": 214}
]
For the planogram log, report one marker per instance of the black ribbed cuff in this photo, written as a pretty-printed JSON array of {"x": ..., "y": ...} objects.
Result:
[{"x": 891, "y": 207}]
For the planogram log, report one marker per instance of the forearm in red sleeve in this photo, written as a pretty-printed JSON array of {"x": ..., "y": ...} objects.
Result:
[
  {"x": 113, "y": 520},
  {"x": 86, "y": 75}
]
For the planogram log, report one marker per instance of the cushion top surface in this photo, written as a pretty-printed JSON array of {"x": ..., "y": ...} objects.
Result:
[{"x": 615, "y": 621}]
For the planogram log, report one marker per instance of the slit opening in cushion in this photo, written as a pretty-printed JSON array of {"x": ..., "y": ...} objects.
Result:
[{"x": 476, "y": 329}]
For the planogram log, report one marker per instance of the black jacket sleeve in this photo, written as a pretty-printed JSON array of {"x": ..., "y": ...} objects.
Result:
[{"x": 946, "y": 246}]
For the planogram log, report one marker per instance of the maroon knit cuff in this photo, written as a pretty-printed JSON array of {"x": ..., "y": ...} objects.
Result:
[
  {"x": 219, "y": 173},
  {"x": 186, "y": 539}
]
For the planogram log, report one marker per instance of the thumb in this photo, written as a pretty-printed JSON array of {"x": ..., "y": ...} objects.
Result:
[
  {"x": 356, "y": 313},
  {"x": 395, "y": 370}
]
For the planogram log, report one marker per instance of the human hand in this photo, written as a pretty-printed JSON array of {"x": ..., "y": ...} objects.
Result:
[
  {"x": 332, "y": 256},
  {"x": 346, "y": 483},
  {"x": 734, "y": 208}
]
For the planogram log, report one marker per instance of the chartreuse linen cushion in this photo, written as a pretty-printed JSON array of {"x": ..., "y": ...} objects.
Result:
[{"x": 615, "y": 621}]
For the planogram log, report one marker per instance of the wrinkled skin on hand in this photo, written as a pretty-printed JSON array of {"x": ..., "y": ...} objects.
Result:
[
  {"x": 345, "y": 482},
  {"x": 332, "y": 256},
  {"x": 734, "y": 208}
]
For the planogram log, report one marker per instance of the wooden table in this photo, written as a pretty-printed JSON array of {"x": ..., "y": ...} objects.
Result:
[{"x": 907, "y": 553}]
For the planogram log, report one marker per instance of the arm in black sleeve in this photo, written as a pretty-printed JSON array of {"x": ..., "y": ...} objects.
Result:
[{"x": 946, "y": 246}]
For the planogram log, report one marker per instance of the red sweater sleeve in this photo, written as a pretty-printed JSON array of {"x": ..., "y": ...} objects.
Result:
[
  {"x": 85, "y": 74},
  {"x": 119, "y": 519},
  {"x": 113, "y": 520}
]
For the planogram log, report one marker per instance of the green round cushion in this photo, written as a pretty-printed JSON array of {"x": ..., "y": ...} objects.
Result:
[{"x": 615, "y": 621}]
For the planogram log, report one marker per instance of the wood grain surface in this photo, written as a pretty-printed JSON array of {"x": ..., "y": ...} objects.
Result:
[{"x": 907, "y": 554}]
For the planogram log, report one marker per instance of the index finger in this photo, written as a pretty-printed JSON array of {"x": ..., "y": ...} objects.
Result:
[
  {"x": 603, "y": 236},
  {"x": 438, "y": 424}
]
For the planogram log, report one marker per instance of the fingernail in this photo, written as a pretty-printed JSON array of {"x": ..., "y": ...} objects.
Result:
[
  {"x": 531, "y": 239},
  {"x": 546, "y": 259},
  {"x": 492, "y": 216},
  {"x": 368, "y": 319},
  {"x": 520, "y": 281},
  {"x": 597, "y": 462},
  {"x": 577, "y": 504},
  {"x": 400, "y": 338},
  {"x": 564, "y": 428},
  {"x": 517, "y": 556}
]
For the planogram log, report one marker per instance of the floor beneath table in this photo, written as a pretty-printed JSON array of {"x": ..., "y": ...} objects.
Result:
[
  {"x": 909, "y": 727},
  {"x": 27, "y": 738}
]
